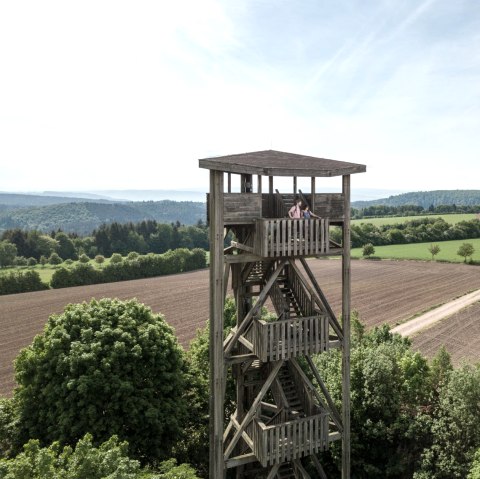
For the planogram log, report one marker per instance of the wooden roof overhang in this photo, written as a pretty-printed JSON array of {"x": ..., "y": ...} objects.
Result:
[{"x": 279, "y": 163}]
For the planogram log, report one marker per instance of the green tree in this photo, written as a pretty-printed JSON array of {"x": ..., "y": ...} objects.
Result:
[
  {"x": 8, "y": 252},
  {"x": 84, "y": 461},
  {"x": 368, "y": 250},
  {"x": 465, "y": 250},
  {"x": 99, "y": 259},
  {"x": 83, "y": 258},
  {"x": 20, "y": 261},
  {"x": 475, "y": 469},
  {"x": 45, "y": 245},
  {"x": 43, "y": 260},
  {"x": 66, "y": 248},
  {"x": 55, "y": 259},
  {"x": 31, "y": 261},
  {"x": 105, "y": 367},
  {"x": 455, "y": 427},
  {"x": 116, "y": 258},
  {"x": 434, "y": 249}
]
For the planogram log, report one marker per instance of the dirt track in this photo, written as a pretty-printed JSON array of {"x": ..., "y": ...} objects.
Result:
[
  {"x": 426, "y": 320},
  {"x": 382, "y": 291}
]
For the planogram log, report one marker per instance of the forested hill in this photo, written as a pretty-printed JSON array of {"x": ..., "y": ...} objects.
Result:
[
  {"x": 84, "y": 217},
  {"x": 426, "y": 199},
  {"x": 20, "y": 200}
]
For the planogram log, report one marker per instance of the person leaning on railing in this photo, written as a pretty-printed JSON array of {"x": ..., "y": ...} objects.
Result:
[{"x": 307, "y": 214}]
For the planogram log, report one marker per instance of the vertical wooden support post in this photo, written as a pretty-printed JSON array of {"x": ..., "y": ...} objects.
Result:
[
  {"x": 295, "y": 190},
  {"x": 270, "y": 185},
  {"x": 229, "y": 182},
  {"x": 312, "y": 191},
  {"x": 217, "y": 389},
  {"x": 346, "y": 329},
  {"x": 259, "y": 181}
]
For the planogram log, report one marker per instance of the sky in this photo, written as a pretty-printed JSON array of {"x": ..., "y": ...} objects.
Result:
[{"x": 105, "y": 94}]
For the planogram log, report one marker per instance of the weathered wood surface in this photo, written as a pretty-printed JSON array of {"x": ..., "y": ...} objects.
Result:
[
  {"x": 287, "y": 338},
  {"x": 346, "y": 289},
  {"x": 291, "y": 237},
  {"x": 285, "y": 442},
  {"x": 278, "y": 163},
  {"x": 217, "y": 291}
]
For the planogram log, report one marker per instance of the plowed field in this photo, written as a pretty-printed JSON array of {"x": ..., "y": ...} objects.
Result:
[
  {"x": 459, "y": 333},
  {"x": 382, "y": 291}
]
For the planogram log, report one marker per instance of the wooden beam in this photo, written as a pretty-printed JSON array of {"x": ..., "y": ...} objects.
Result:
[
  {"x": 242, "y": 258},
  {"x": 295, "y": 185},
  {"x": 241, "y": 460},
  {"x": 229, "y": 343},
  {"x": 270, "y": 185},
  {"x": 253, "y": 409},
  {"x": 312, "y": 192},
  {"x": 217, "y": 465},
  {"x": 319, "y": 467},
  {"x": 331, "y": 404},
  {"x": 259, "y": 184},
  {"x": 335, "y": 323},
  {"x": 301, "y": 469},
  {"x": 229, "y": 179},
  {"x": 346, "y": 287},
  {"x": 273, "y": 471}
]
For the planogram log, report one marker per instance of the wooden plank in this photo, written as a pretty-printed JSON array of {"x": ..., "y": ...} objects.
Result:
[
  {"x": 240, "y": 460},
  {"x": 217, "y": 466},
  {"x": 346, "y": 289},
  {"x": 273, "y": 471}
]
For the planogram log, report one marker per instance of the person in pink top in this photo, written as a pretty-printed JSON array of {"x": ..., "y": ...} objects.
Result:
[{"x": 296, "y": 210}]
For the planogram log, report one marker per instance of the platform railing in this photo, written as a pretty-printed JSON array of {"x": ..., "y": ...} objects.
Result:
[
  {"x": 288, "y": 338},
  {"x": 291, "y": 440},
  {"x": 291, "y": 237}
]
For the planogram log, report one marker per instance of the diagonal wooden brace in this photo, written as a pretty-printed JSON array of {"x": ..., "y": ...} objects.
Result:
[
  {"x": 230, "y": 342},
  {"x": 251, "y": 413}
]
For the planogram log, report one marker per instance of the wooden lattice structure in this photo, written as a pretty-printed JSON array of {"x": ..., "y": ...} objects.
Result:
[{"x": 283, "y": 414}]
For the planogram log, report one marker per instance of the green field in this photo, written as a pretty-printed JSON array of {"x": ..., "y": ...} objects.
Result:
[
  {"x": 449, "y": 218},
  {"x": 448, "y": 251}
]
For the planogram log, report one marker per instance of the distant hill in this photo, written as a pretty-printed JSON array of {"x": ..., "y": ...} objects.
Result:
[
  {"x": 21, "y": 200},
  {"x": 426, "y": 198},
  {"x": 83, "y": 217}
]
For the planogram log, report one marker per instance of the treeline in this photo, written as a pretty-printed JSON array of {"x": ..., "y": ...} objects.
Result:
[
  {"x": 82, "y": 218},
  {"x": 144, "y": 237},
  {"x": 427, "y": 199},
  {"x": 21, "y": 282},
  {"x": 420, "y": 230},
  {"x": 133, "y": 267},
  {"x": 411, "y": 210}
]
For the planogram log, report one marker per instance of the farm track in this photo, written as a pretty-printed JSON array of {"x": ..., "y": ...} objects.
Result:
[
  {"x": 382, "y": 292},
  {"x": 459, "y": 333}
]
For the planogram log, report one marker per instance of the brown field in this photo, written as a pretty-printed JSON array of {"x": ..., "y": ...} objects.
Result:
[
  {"x": 459, "y": 333},
  {"x": 382, "y": 291}
]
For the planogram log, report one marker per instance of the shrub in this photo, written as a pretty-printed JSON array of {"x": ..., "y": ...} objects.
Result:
[
  {"x": 55, "y": 259},
  {"x": 31, "y": 261},
  {"x": 105, "y": 367},
  {"x": 43, "y": 260},
  {"x": 99, "y": 259},
  {"x": 368, "y": 250},
  {"x": 83, "y": 258},
  {"x": 196, "y": 260},
  {"x": 68, "y": 261},
  {"x": 20, "y": 261},
  {"x": 21, "y": 282},
  {"x": 116, "y": 258},
  {"x": 132, "y": 255}
]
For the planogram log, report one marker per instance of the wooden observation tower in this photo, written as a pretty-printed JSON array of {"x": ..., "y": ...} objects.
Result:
[{"x": 284, "y": 413}]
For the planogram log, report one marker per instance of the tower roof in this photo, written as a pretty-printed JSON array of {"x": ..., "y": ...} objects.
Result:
[{"x": 279, "y": 163}]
